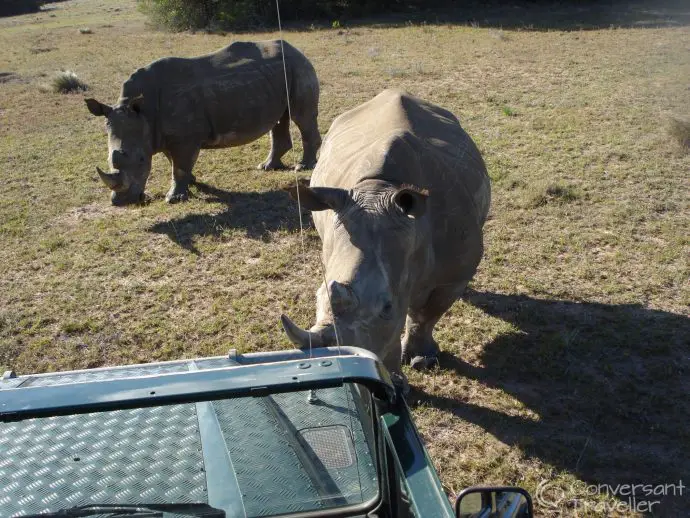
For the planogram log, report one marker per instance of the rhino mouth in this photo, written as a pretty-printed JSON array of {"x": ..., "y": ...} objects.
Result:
[
  {"x": 120, "y": 199},
  {"x": 124, "y": 192}
]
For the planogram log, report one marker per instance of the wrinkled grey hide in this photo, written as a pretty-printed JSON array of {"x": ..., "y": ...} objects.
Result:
[
  {"x": 178, "y": 106},
  {"x": 400, "y": 196}
]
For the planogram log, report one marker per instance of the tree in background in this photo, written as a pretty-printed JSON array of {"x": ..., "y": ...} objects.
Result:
[{"x": 179, "y": 15}]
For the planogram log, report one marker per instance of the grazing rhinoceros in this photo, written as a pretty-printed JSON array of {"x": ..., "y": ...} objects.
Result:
[
  {"x": 229, "y": 98},
  {"x": 401, "y": 195}
]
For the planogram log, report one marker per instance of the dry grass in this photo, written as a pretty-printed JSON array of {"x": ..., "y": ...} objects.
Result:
[{"x": 567, "y": 362}]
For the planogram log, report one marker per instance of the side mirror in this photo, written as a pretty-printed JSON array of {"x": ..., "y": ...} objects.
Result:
[{"x": 494, "y": 502}]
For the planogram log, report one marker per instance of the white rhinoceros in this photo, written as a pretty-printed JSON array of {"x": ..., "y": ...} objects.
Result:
[
  {"x": 228, "y": 98},
  {"x": 400, "y": 195}
]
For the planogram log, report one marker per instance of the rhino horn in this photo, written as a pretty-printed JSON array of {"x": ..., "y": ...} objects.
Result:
[
  {"x": 303, "y": 339},
  {"x": 114, "y": 181}
]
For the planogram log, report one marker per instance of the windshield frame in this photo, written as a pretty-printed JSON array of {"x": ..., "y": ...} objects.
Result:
[{"x": 249, "y": 378}]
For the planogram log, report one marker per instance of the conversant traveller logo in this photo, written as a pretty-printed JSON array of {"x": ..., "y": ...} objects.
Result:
[{"x": 606, "y": 498}]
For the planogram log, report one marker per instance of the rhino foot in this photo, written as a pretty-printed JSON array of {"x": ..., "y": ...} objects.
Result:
[
  {"x": 421, "y": 363},
  {"x": 271, "y": 165},
  {"x": 419, "y": 350},
  {"x": 175, "y": 196},
  {"x": 305, "y": 165}
]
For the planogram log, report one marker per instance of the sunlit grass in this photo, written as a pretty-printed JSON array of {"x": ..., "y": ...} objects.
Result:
[{"x": 568, "y": 360}]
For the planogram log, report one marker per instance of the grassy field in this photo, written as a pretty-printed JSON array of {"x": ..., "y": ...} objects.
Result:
[{"x": 568, "y": 363}]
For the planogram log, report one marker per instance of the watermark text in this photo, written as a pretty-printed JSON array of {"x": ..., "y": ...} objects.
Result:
[{"x": 607, "y": 498}]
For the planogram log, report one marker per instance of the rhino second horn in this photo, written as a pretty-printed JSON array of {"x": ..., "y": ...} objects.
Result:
[
  {"x": 300, "y": 337},
  {"x": 343, "y": 297},
  {"x": 112, "y": 180}
]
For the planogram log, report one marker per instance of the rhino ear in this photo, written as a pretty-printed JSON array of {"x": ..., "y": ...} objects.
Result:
[
  {"x": 98, "y": 108},
  {"x": 411, "y": 201},
  {"x": 318, "y": 198}
]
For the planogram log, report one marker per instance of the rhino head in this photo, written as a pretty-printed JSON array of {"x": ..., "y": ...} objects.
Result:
[
  {"x": 373, "y": 241},
  {"x": 129, "y": 149}
]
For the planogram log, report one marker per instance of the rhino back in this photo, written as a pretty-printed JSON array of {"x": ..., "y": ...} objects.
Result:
[
  {"x": 403, "y": 140},
  {"x": 229, "y": 97}
]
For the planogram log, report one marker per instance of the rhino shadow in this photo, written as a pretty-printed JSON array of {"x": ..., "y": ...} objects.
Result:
[
  {"x": 608, "y": 382},
  {"x": 258, "y": 213},
  {"x": 18, "y": 7}
]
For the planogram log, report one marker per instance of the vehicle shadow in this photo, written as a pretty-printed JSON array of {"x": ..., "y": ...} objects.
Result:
[
  {"x": 609, "y": 383},
  {"x": 258, "y": 213}
]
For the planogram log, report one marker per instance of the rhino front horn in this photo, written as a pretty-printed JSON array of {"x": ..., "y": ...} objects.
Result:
[
  {"x": 112, "y": 180},
  {"x": 302, "y": 338}
]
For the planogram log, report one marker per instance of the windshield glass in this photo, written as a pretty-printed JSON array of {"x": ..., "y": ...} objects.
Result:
[{"x": 277, "y": 454}]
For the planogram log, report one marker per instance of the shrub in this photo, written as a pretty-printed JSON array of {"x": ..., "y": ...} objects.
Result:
[
  {"x": 679, "y": 129},
  {"x": 66, "y": 82},
  {"x": 179, "y": 15}
]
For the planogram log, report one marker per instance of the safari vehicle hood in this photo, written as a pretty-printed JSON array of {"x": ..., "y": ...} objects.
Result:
[{"x": 255, "y": 435}]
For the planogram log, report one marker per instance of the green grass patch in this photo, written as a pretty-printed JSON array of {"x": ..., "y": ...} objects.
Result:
[
  {"x": 508, "y": 111},
  {"x": 79, "y": 327},
  {"x": 540, "y": 195}
]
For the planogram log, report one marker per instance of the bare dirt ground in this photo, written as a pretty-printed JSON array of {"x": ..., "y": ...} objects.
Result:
[{"x": 567, "y": 363}]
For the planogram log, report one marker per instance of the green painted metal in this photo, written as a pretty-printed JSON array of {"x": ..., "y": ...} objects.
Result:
[
  {"x": 424, "y": 489},
  {"x": 241, "y": 433}
]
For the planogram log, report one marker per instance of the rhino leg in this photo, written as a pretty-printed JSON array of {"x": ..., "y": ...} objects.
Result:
[
  {"x": 183, "y": 160},
  {"x": 281, "y": 143},
  {"x": 311, "y": 139},
  {"x": 418, "y": 345}
]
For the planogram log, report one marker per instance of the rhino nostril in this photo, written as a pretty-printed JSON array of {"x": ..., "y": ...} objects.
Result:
[{"x": 118, "y": 159}]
